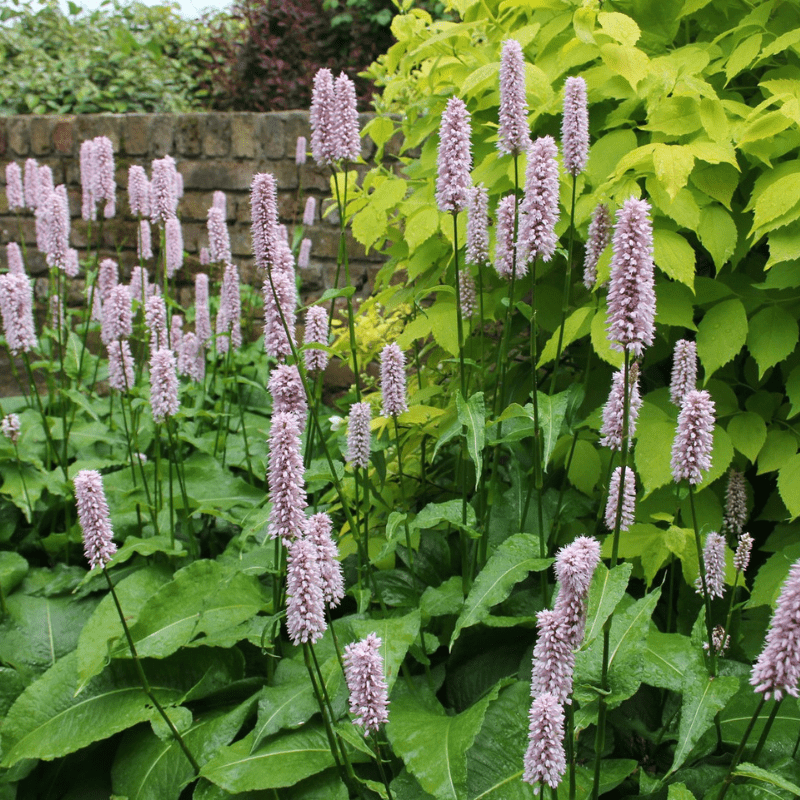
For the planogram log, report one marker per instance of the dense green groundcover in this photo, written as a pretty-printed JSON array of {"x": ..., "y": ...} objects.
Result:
[{"x": 447, "y": 538}]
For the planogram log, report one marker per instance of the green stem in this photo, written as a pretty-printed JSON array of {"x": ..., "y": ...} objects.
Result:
[
  {"x": 739, "y": 750},
  {"x": 403, "y": 497},
  {"x": 379, "y": 762},
  {"x": 143, "y": 678},
  {"x": 762, "y": 740},
  {"x": 712, "y": 657}
]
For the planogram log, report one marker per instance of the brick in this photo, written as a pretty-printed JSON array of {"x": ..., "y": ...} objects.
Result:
[
  {"x": 222, "y": 174},
  {"x": 272, "y": 138},
  {"x": 162, "y": 135},
  {"x": 216, "y": 135},
  {"x": 63, "y": 136},
  {"x": 188, "y": 134},
  {"x": 241, "y": 241},
  {"x": 40, "y": 135},
  {"x": 136, "y": 134},
  {"x": 19, "y": 139},
  {"x": 195, "y": 205},
  {"x": 244, "y": 135},
  {"x": 91, "y": 125},
  {"x": 311, "y": 277}
]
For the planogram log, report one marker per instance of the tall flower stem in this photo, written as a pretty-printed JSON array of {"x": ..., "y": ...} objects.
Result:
[
  {"x": 45, "y": 426},
  {"x": 602, "y": 706},
  {"x": 379, "y": 762},
  {"x": 240, "y": 405},
  {"x": 567, "y": 282},
  {"x": 179, "y": 468},
  {"x": 740, "y": 749},
  {"x": 712, "y": 658},
  {"x": 762, "y": 740},
  {"x": 145, "y": 683},
  {"x": 91, "y": 279},
  {"x": 403, "y": 497}
]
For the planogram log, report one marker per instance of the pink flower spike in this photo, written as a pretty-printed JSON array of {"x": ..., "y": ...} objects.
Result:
[
  {"x": 348, "y": 139},
  {"x": 369, "y": 693},
  {"x": 316, "y": 332},
  {"x": 631, "y": 294},
  {"x": 107, "y": 277},
  {"x": 229, "y": 316},
  {"x": 575, "y": 126},
  {"x": 309, "y": 211},
  {"x": 57, "y": 225},
  {"x": 777, "y": 669},
  {"x": 504, "y": 245},
  {"x": 138, "y": 285},
  {"x": 155, "y": 318},
  {"x": 599, "y": 237},
  {"x": 453, "y": 181},
  {"x": 285, "y": 470},
  {"x": 264, "y": 213},
  {"x": 553, "y": 658},
  {"x": 735, "y": 504},
  {"x": 14, "y": 192},
  {"x": 202, "y": 320},
  {"x": 305, "y": 254},
  {"x": 138, "y": 191},
  {"x": 741, "y": 558},
  {"x": 191, "y": 357},
  {"x": 205, "y": 257},
  {"x": 120, "y": 365},
  {"x": 574, "y": 568},
  {"x": 694, "y": 438},
  {"x": 163, "y": 385},
  {"x": 538, "y": 211},
  {"x": 628, "y": 499},
  {"x": 300, "y": 151},
  {"x": 684, "y": 371},
  {"x": 545, "y": 761},
  {"x": 163, "y": 195},
  {"x": 218, "y": 200},
  {"x": 513, "y": 135},
  {"x": 478, "y": 226},
  {"x": 393, "y": 380},
  {"x": 318, "y": 531},
  {"x": 323, "y": 119},
  {"x": 11, "y": 427},
  {"x": 219, "y": 242},
  {"x": 144, "y": 241},
  {"x": 31, "y": 183},
  {"x": 305, "y": 606},
  {"x": 714, "y": 560},
  {"x": 276, "y": 343},
  {"x": 287, "y": 392},
  {"x": 469, "y": 299},
  {"x": 117, "y": 315},
  {"x": 16, "y": 307},
  {"x": 174, "y": 245},
  {"x": 358, "y": 435},
  {"x": 88, "y": 168},
  {"x": 14, "y": 257},
  {"x": 94, "y": 518},
  {"x": 105, "y": 187},
  {"x": 613, "y": 411}
]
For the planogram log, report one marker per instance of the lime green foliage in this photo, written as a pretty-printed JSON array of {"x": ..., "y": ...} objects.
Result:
[{"x": 119, "y": 58}]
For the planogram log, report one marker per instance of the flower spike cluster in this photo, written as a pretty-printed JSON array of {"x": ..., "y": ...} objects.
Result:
[
  {"x": 393, "y": 380},
  {"x": 628, "y": 499},
  {"x": 358, "y": 434},
  {"x": 369, "y": 695},
  {"x": 735, "y": 504},
  {"x": 285, "y": 478},
  {"x": 599, "y": 237},
  {"x": 613, "y": 411},
  {"x": 513, "y": 135},
  {"x": 575, "y": 126},
  {"x": 714, "y": 560},
  {"x": 16, "y": 307},
  {"x": 538, "y": 211},
  {"x": 504, "y": 242},
  {"x": 94, "y": 518},
  {"x": 453, "y": 181},
  {"x": 286, "y": 388},
  {"x": 694, "y": 438},
  {"x": 684, "y": 371},
  {"x": 318, "y": 531},
  {"x": 316, "y": 332},
  {"x": 545, "y": 760},
  {"x": 163, "y": 385},
  {"x": 478, "y": 226},
  {"x": 305, "y": 606}
]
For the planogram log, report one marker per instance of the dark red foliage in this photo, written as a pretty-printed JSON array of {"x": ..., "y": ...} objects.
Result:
[{"x": 269, "y": 63}]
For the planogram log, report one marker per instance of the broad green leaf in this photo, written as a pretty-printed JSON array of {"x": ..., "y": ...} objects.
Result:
[
  {"x": 619, "y": 27},
  {"x": 776, "y": 199},
  {"x": 714, "y": 118},
  {"x": 789, "y": 485},
  {"x": 675, "y": 116},
  {"x": 672, "y": 661},
  {"x": 771, "y": 337},
  {"x": 625, "y": 657},
  {"x": 433, "y": 745},
  {"x": 674, "y": 305},
  {"x": 50, "y": 720},
  {"x": 397, "y": 634},
  {"x": 748, "y": 433},
  {"x": 743, "y": 55},
  {"x": 673, "y": 163},
  {"x": 600, "y": 342},
  {"x": 104, "y": 627},
  {"x": 584, "y": 471},
  {"x": 674, "y": 256},
  {"x": 655, "y": 432},
  {"x": 13, "y": 568},
  {"x": 367, "y": 226},
  {"x": 606, "y": 152},
  {"x": 764, "y": 126},
  {"x": 721, "y": 335},
  {"x": 792, "y": 392},
  {"x": 627, "y": 61},
  {"x": 784, "y": 245},
  {"x": 552, "y": 411},
  {"x": 421, "y": 226},
  {"x": 718, "y": 181},
  {"x": 714, "y": 152},
  {"x": 645, "y": 542},
  {"x": 507, "y": 566},
  {"x": 576, "y": 326},
  {"x": 209, "y": 486},
  {"x": 472, "y": 415},
  {"x": 718, "y": 234},
  {"x": 147, "y": 768},
  {"x": 286, "y": 706},
  {"x": 778, "y": 450},
  {"x": 678, "y": 791},
  {"x": 771, "y": 777},
  {"x": 449, "y": 511},
  {"x": 146, "y": 547},
  {"x": 702, "y": 699},
  {"x": 442, "y": 318},
  {"x": 280, "y": 761},
  {"x": 605, "y": 592}
]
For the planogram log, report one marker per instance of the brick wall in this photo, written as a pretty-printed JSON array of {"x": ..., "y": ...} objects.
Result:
[{"x": 212, "y": 151}]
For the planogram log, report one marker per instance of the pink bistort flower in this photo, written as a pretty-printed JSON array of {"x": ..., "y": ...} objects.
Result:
[
  {"x": 174, "y": 245},
  {"x": 14, "y": 192},
  {"x": 599, "y": 237},
  {"x": 219, "y": 242},
  {"x": 358, "y": 435},
  {"x": 107, "y": 278},
  {"x": 741, "y": 558},
  {"x": 285, "y": 470},
  {"x": 138, "y": 191},
  {"x": 735, "y": 515},
  {"x": 316, "y": 332},
  {"x": 155, "y": 318},
  {"x": 453, "y": 181},
  {"x": 288, "y": 394},
  {"x": 574, "y": 568},
  {"x": 466, "y": 288},
  {"x": 714, "y": 560},
  {"x": 504, "y": 244},
  {"x": 538, "y": 211},
  {"x": 14, "y": 258},
  {"x": 684, "y": 371},
  {"x": 478, "y": 226},
  {"x": 305, "y": 605},
  {"x": 229, "y": 316},
  {"x": 31, "y": 183},
  {"x": 163, "y": 192},
  {"x": 120, "y": 365},
  {"x": 575, "y": 126},
  {"x": 88, "y": 169},
  {"x": 323, "y": 118},
  {"x": 16, "y": 307},
  {"x": 94, "y": 518},
  {"x": 613, "y": 411},
  {"x": 513, "y": 136},
  {"x": 309, "y": 211},
  {"x": 117, "y": 315},
  {"x": 393, "y": 380},
  {"x": 202, "y": 319},
  {"x": 105, "y": 187},
  {"x": 11, "y": 427},
  {"x": 545, "y": 761},
  {"x": 369, "y": 694},
  {"x": 163, "y": 385},
  {"x": 553, "y": 657},
  {"x": 694, "y": 438},
  {"x": 318, "y": 531},
  {"x": 264, "y": 215},
  {"x": 305, "y": 254},
  {"x": 348, "y": 139},
  {"x": 628, "y": 499}
]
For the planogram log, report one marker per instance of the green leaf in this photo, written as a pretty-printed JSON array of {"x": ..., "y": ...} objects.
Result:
[
  {"x": 584, "y": 471},
  {"x": 678, "y": 791},
  {"x": 645, "y": 542},
  {"x": 146, "y": 547},
  {"x": 672, "y": 661},
  {"x": 748, "y": 433},
  {"x": 674, "y": 305},
  {"x": 605, "y": 592},
  {"x": 600, "y": 342},
  {"x": 397, "y": 634},
  {"x": 442, "y": 320},
  {"x": 552, "y": 412},
  {"x": 743, "y": 55},
  {"x": 674, "y": 256},
  {"x": 673, "y": 163},
  {"x": 49, "y": 720},
  {"x": 702, "y": 699},
  {"x": 776, "y": 199},
  {"x": 434, "y": 746},
  {"x": 771, "y": 777},
  {"x": 285, "y": 706},
  {"x": 627, "y": 61},
  {"x": 147, "y": 768},
  {"x": 472, "y": 415},
  {"x": 772, "y": 337},
  {"x": 718, "y": 234},
  {"x": 718, "y": 181},
  {"x": 789, "y": 485},
  {"x": 619, "y": 27},
  {"x": 331, "y": 294},
  {"x": 104, "y": 627},
  {"x": 420, "y": 227},
  {"x": 792, "y": 391},
  {"x": 655, "y": 432},
  {"x": 784, "y": 245},
  {"x": 281, "y": 761},
  {"x": 507, "y": 566},
  {"x": 13, "y": 568},
  {"x": 576, "y": 326},
  {"x": 450, "y": 512},
  {"x": 721, "y": 335},
  {"x": 777, "y": 451}
]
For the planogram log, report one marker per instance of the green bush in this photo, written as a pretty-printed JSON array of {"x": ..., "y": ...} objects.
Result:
[{"x": 122, "y": 57}]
